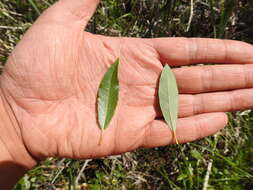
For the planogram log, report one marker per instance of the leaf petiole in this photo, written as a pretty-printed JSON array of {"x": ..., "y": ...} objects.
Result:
[{"x": 175, "y": 136}]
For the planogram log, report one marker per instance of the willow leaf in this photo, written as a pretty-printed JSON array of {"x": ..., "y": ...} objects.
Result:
[
  {"x": 168, "y": 98},
  {"x": 108, "y": 95}
]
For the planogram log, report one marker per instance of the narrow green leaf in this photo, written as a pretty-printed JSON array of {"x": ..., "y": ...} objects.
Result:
[
  {"x": 108, "y": 96},
  {"x": 168, "y": 98},
  {"x": 34, "y": 6}
]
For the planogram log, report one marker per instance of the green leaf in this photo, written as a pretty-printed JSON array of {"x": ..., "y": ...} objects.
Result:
[
  {"x": 168, "y": 98},
  {"x": 108, "y": 96},
  {"x": 195, "y": 154}
]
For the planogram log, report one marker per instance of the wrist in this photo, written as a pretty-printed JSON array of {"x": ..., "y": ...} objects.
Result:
[{"x": 15, "y": 160}]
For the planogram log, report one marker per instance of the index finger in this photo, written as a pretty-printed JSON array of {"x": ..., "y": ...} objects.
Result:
[{"x": 185, "y": 51}]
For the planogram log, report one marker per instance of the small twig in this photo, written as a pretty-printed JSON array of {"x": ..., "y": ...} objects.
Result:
[
  {"x": 34, "y": 7},
  {"x": 210, "y": 164},
  {"x": 191, "y": 16},
  {"x": 11, "y": 27},
  {"x": 60, "y": 170},
  {"x": 81, "y": 171},
  {"x": 208, "y": 172}
]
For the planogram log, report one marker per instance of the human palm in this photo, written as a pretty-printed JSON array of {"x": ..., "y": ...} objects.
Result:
[{"x": 52, "y": 78}]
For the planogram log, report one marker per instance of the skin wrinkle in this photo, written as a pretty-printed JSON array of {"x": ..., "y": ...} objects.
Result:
[
  {"x": 48, "y": 108},
  {"x": 155, "y": 64},
  {"x": 104, "y": 52},
  {"x": 7, "y": 149},
  {"x": 84, "y": 16},
  {"x": 71, "y": 131},
  {"x": 83, "y": 90},
  {"x": 103, "y": 59},
  {"x": 28, "y": 74},
  {"x": 87, "y": 141},
  {"x": 238, "y": 98},
  {"x": 55, "y": 105},
  {"x": 52, "y": 67},
  {"x": 231, "y": 100},
  {"x": 199, "y": 125},
  {"x": 203, "y": 77},
  {"x": 76, "y": 79},
  {"x": 19, "y": 134},
  {"x": 11, "y": 80},
  {"x": 12, "y": 107},
  {"x": 22, "y": 135},
  {"x": 203, "y": 124},
  {"x": 136, "y": 143},
  {"x": 81, "y": 16},
  {"x": 91, "y": 73},
  {"x": 206, "y": 50},
  {"x": 158, "y": 54},
  {"x": 207, "y": 87},
  {"x": 31, "y": 72},
  {"x": 198, "y": 105},
  {"x": 109, "y": 49},
  {"x": 77, "y": 136},
  {"x": 193, "y": 50},
  {"x": 246, "y": 77},
  {"x": 138, "y": 105},
  {"x": 147, "y": 134},
  {"x": 148, "y": 60},
  {"x": 225, "y": 49},
  {"x": 116, "y": 135},
  {"x": 194, "y": 105},
  {"x": 140, "y": 74},
  {"x": 203, "y": 105},
  {"x": 195, "y": 133},
  {"x": 183, "y": 105},
  {"x": 133, "y": 68},
  {"x": 149, "y": 43},
  {"x": 75, "y": 67},
  {"x": 56, "y": 145},
  {"x": 74, "y": 57},
  {"x": 10, "y": 74},
  {"x": 79, "y": 90},
  {"x": 121, "y": 43},
  {"x": 82, "y": 131},
  {"x": 199, "y": 54},
  {"x": 39, "y": 155}
]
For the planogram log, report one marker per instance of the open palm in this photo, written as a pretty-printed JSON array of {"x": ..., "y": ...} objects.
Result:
[{"x": 52, "y": 78}]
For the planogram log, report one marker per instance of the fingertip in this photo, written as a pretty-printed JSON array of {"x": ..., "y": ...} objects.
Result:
[
  {"x": 71, "y": 11},
  {"x": 200, "y": 126}
]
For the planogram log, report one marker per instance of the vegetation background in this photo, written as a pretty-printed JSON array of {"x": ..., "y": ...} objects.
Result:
[{"x": 223, "y": 161}]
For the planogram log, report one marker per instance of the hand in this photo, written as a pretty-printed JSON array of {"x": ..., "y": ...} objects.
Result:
[{"x": 52, "y": 77}]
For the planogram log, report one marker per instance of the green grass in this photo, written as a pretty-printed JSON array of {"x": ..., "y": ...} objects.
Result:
[{"x": 228, "y": 154}]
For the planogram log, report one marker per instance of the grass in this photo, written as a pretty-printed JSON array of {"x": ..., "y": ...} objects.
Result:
[{"x": 221, "y": 162}]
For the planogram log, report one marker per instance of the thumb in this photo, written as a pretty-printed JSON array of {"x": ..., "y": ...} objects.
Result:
[{"x": 68, "y": 11}]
